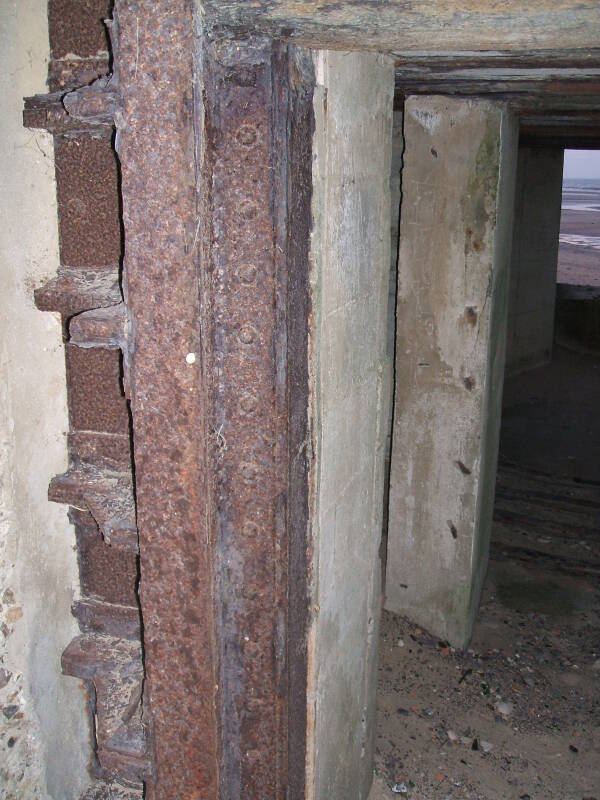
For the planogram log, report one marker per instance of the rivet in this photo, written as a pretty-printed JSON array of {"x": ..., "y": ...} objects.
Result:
[
  {"x": 247, "y": 273},
  {"x": 246, "y": 135},
  {"x": 249, "y": 471},
  {"x": 248, "y": 209},
  {"x": 250, "y": 529},
  {"x": 248, "y": 403},
  {"x": 247, "y": 334}
]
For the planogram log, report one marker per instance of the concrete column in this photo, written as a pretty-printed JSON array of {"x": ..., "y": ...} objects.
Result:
[
  {"x": 350, "y": 377},
  {"x": 455, "y": 239},
  {"x": 534, "y": 258}
]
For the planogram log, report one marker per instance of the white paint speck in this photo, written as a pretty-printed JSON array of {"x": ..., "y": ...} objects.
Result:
[{"x": 191, "y": 358}]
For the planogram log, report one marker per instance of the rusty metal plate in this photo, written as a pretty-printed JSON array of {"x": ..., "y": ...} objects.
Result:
[
  {"x": 154, "y": 69},
  {"x": 216, "y": 280},
  {"x": 257, "y": 119}
]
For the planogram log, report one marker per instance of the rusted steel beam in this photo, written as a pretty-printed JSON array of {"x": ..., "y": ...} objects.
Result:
[
  {"x": 154, "y": 70},
  {"x": 257, "y": 178},
  {"x": 215, "y": 146}
]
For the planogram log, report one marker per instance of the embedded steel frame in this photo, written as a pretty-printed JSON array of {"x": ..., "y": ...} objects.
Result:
[{"x": 214, "y": 139}]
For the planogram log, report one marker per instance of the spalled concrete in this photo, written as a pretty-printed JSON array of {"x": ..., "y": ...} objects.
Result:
[
  {"x": 351, "y": 374},
  {"x": 44, "y": 735},
  {"x": 455, "y": 238},
  {"x": 534, "y": 258}
]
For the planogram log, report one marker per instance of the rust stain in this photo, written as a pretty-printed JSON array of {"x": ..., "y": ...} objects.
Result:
[
  {"x": 256, "y": 287},
  {"x": 154, "y": 74},
  {"x": 215, "y": 278}
]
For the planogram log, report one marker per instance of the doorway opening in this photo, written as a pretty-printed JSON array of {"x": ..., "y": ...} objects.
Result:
[{"x": 516, "y": 713}]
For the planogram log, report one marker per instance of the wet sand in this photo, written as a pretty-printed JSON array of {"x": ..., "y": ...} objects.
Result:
[{"x": 576, "y": 264}]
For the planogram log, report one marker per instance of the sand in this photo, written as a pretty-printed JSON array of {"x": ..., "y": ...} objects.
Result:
[{"x": 579, "y": 265}]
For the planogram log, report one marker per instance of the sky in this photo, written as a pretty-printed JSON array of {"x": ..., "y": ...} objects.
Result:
[{"x": 582, "y": 164}]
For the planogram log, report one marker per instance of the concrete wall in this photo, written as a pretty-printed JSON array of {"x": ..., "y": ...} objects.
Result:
[
  {"x": 455, "y": 238},
  {"x": 351, "y": 376},
  {"x": 44, "y": 738},
  {"x": 534, "y": 258}
]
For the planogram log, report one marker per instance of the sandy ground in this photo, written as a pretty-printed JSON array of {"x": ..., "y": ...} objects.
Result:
[
  {"x": 550, "y": 416},
  {"x": 579, "y": 265},
  {"x": 517, "y": 717}
]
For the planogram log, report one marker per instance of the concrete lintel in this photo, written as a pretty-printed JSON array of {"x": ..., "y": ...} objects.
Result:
[{"x": 435, "y": 26}]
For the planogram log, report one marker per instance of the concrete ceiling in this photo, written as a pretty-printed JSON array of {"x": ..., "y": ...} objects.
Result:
[
  {"x": 541, "y": 56},
  {"x": 404, "y": 27}
]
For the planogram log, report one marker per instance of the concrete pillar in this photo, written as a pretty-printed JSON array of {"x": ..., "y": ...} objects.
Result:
[
  {"x": 534, "y": 258},
  {"x": 455, "y": 239},
  {"x": 351, "y": 375}
]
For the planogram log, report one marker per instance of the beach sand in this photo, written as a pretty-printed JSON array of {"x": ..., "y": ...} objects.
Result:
[{"x": 577, "y": 264}]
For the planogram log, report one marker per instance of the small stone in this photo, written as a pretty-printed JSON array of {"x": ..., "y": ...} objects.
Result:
[
  {"x": 400, "y": 788},
  {"x": 573, "y": 749},
  {"x": 5, "y": 677},
  {"x": 400, "y": 642},
  {"x": 10, "y": 711},
  {"x": 452, "y": 735},
  {"x": 525, "y": 797},
  {"x": 505, "y": 708},
  {"x": 486, "y": 746}
]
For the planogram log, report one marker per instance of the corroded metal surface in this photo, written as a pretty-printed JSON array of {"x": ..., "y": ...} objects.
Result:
[
  {"x": 99, "y": 480},
  {"x": 216, "y": 279},
  {"x": 249, "y": 395},
  {"x": 257, "y": 160},
  {"x": 154, "y": 68},
  {"x": 78, "y": 41}
]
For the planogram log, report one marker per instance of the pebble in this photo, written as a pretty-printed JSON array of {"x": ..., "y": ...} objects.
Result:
[
  {"x": 5, "y": 677},
  {"x": 452, "y": 735},
  {"x": 505, "y": 708},
  {"x": 400, "y": 788},
  {"x": 10, "y": 711},
  {"x": 400, "y": 642},
  {"x": 486, "y": 746}
]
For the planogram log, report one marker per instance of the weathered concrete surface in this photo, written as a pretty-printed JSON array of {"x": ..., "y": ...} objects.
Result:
[
  {"x": 532, "y": 291},
  {"x": 455, "y": 237},
  {"x": 44, "y": 737},
  {"x": 350, "y": 373},
  {"x": 427, "y": 25}
]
